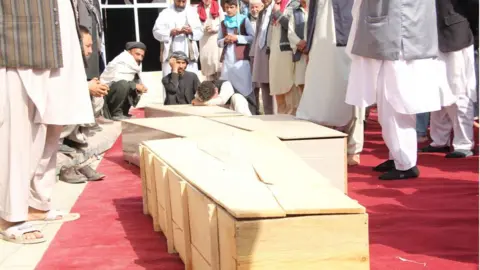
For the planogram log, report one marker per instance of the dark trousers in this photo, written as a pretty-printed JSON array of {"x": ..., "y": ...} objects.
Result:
[{"x": 120, "y": 98}]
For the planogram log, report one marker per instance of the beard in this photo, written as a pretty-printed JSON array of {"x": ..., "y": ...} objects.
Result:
[
  {"x": 254, "y": 15},
  {"x": 179, "y": 8}
]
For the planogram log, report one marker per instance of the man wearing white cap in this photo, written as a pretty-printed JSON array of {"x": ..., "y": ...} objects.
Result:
[{"x": 178, "y": 28}]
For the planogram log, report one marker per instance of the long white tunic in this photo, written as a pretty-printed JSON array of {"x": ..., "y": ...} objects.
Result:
[
  {"x": 411, "y": 87},
  {"x": 238, "y": 73},
  {"x": 170, "y": 19},
  {"x": 210, "y": 52},
  {"x": 281, "y": 66},
  {"x": 326, "y": 76}
]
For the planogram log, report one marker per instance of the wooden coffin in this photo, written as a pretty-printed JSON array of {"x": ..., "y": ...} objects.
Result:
[
  {"x": 225, "y": 206},
  {"x": 324, "y": 149},
  {"x": 135, "y": 131},
  {"x": 159, "y": 110}
]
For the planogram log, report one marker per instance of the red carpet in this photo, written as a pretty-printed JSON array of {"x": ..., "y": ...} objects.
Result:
[{"x": 432, "y": 222}]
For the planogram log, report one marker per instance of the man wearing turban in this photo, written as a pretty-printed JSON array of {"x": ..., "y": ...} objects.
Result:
[{"x": 122, "y": 75}]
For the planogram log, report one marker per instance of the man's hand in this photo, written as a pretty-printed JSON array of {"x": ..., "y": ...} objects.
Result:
[
  {"x": 175, "y": 32},
  {"x": 141, "y": 88},
  {"x": 301, "y": 45},
  {"x": 173, "y": 64},
  {"x": 233, "y": 38},
  {"x": 229, "y": 39},
  {"x": 187, "y": 30},
  {"x": 197, "y": 102},
  {"x": 208, "y": 28},
  {"x": 96, "y": 88},
  {"x": 226, "y": 39}
]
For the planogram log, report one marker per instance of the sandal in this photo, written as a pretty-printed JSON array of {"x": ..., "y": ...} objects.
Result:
[
  {"x": 52, "y": 215},
  {"x": 16, "y": 233}
]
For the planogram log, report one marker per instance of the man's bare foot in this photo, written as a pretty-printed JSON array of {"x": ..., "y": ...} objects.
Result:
[
  {"x": 35, "y": 214},
  {"x": 422, "y": 139},
  {"x": 5, "y": 225},
  {"x": 353, "y": 160}
]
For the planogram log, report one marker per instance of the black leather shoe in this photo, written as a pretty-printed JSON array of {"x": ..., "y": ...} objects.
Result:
[
  {"x": 400, "y": 175},
  {"x": 385, "y": 166},
  {"x": 459, "y": 154},
  {"x": 433, "y": 149}
]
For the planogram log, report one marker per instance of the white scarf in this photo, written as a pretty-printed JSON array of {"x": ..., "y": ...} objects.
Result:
[
  {"x": 122, "y": 67},
  {"x": 262, "y": 36}
]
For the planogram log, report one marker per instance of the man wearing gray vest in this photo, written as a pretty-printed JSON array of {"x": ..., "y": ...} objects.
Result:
[{"x": 393, "y": 45}]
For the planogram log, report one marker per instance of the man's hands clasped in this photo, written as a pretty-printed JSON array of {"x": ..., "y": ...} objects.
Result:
[
  {"x": 187, "y": 30},
  {"x": 141, "y": 88},
  {"x": 96, "y": 88},
  {"x": 230, "y": 39}
]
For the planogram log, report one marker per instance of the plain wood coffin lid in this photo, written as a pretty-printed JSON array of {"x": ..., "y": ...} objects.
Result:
[
  {"x": 270, "y": 182},
  {"x": 184, "y": 126},
  {"x": 187, "y": 109},
  {"x": 285, "y": 127}
]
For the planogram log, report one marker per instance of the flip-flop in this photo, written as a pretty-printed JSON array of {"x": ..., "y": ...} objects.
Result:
[
  {"x": 52, "y": 215},
  {"x": 16, "y": 233}
]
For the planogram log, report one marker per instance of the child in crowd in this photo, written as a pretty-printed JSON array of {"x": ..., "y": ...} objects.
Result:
[{"x": 235, "y": 36}]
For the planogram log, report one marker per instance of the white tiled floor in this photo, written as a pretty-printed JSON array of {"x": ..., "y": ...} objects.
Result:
[{"x": 26, "y": 257}]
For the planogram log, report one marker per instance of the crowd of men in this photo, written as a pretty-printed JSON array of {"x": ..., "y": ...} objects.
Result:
[{"x": 323, "y": 61}]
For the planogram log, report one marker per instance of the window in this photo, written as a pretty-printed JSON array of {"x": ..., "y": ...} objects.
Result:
[{"x": 132, "y": 20}]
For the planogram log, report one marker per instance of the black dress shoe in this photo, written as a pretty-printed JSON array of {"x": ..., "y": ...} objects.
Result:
[
  {"x": 433, "y": 149},
  {"x": 385, "y": 166},
  {"x": 459, "y": 154},
  {"x": 400, "y": 175}
]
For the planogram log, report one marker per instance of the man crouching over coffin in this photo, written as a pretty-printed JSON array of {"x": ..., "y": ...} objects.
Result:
[{"x": 221, "y": 93}]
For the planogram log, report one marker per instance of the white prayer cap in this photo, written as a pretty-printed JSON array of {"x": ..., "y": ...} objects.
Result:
[{"x": 254, "y": 2}]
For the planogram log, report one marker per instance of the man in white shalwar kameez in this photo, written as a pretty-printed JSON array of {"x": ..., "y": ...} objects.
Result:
[
  {"x": 211, "y": 15},
  {"x": 395, "y": 67},
  {"x": 281, "y": 66},
  {"x": 178, "y": 28},
  {"x": 457, "y": 54},
  {"x": 36, "y": 95},
  {"x": 326, "y": 75}
]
